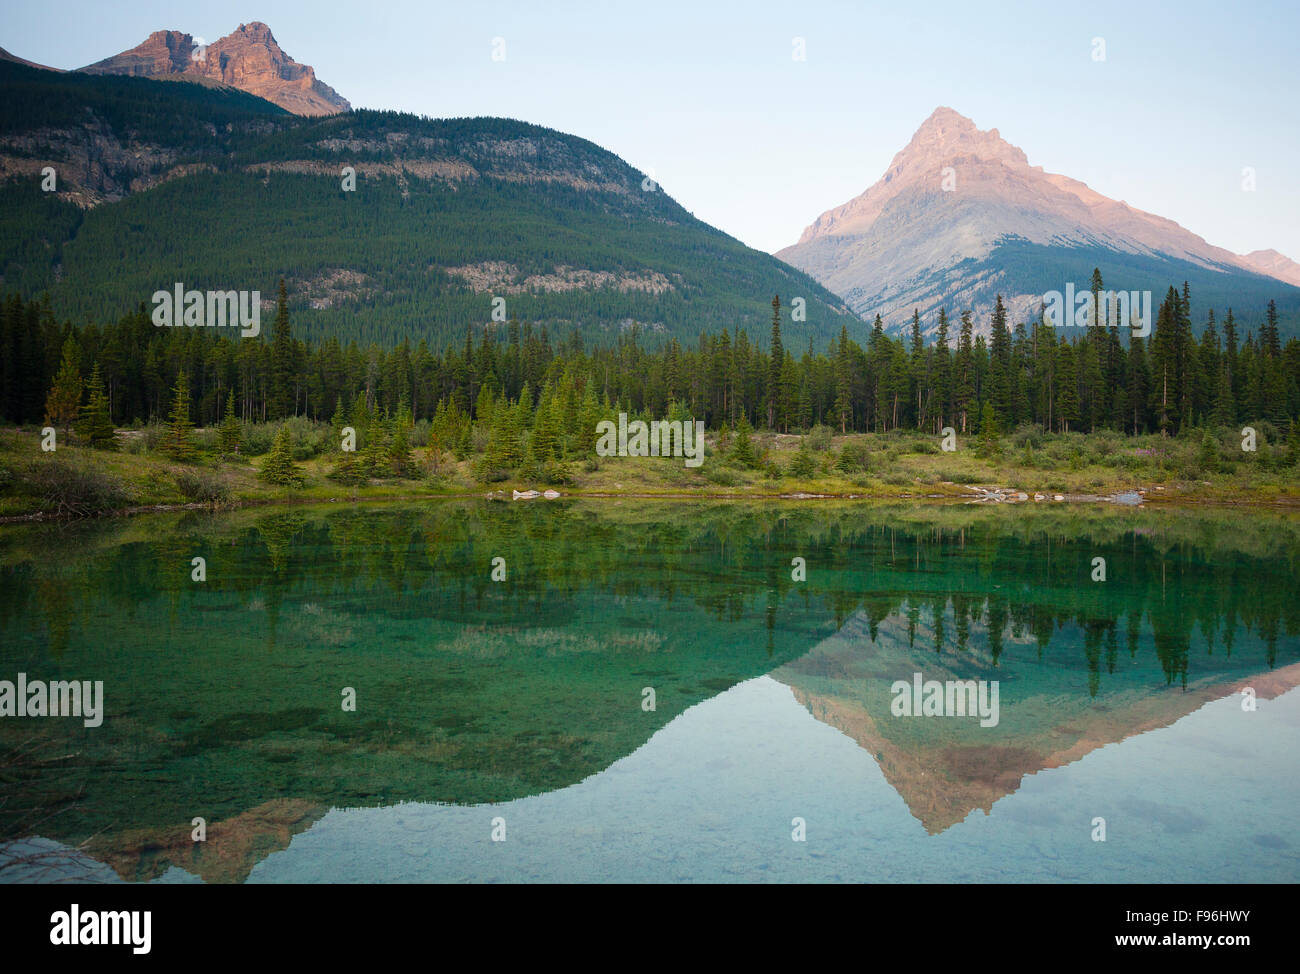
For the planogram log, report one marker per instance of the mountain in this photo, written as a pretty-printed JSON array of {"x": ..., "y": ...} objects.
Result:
[
  {"x": 248, "y": 59},
  {"x": 220, "y": 190},
  {"x": 945, "y": 770},
  {"x": 1273, "y": 264},
  {"x": 961, "y": 215},
  {"x": 6, "y": 56}
]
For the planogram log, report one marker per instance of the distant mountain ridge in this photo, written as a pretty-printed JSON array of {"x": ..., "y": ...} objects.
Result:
[
  {"x": 960, "y": 215},
  {"x": 248, "y": 58},
  {"x": 218, "y": 189}
]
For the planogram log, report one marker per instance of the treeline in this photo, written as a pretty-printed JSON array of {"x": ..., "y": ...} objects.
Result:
[{"x": 1032, "y": 373}]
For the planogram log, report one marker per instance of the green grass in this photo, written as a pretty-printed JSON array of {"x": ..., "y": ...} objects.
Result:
[{"x": 893, "y": 465}]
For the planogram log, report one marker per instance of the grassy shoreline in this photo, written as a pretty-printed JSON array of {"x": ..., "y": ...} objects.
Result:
[{"x": 77, "y": 481}]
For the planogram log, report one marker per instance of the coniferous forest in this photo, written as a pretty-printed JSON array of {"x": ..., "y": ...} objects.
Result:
[{"x": 1025, "y": 373}]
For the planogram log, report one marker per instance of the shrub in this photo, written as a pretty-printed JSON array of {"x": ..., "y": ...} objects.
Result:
[
  {"x": 257, "y": 440},
  {"x": 71, "y": 489},
  {"x": 1209, "y": 452},
  {"x": 803, "y": 464},
  {"x": 819, "y": 438},
  {"x": 201, "y": 486},
  {"x": 720, "y": 476},
  {"x": 154, "y": 433},
  {"x": 852, "y": 458},
  {"x": 1028, "y": 435},
  {"x": 1105, "y": 443},
  {"x": 550, "y": 472},
  {"x": 207, "y": 440}
]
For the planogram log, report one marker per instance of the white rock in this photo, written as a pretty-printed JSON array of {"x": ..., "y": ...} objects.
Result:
[{"x": 550, "y": 495}]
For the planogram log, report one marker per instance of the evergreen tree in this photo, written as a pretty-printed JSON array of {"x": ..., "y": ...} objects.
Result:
[
  {"x": 774, "y": 367},
  {"x": 1067, "y": 394},
  {"x": 282, "y": 398},
  {"x": 589, "y": 415},
  {"x": 988, "y": 443},
  {"x": 964, "y": 390},
  {"x": 400, "y": 460},
  {"x": 278, "y": 467},
  {"x": 230, "y": 432},
  {"x": 544, "y": 445},
  {"x": 373, "y": 458},
  {"x": 94, "y": 425},
  {"x": 64, "y": 400},
  {"x": 178, "y": 442},
  {"x": 742, "y": 448}
]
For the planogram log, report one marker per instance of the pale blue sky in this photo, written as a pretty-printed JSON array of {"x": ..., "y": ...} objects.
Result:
[{"x": 708, "y": 96}]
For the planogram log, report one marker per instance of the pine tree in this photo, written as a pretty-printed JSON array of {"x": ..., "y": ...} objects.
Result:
[
  {"x": 843, "y": 381},
  {"x": 1067, "y": 393},
  {"x": 64, "y": 399},
  {"x": 278, "y": 467},
  {"x": 282, "y": 397},
  {"x": 373, "y": 459},
  {"x": 742, "y": 448},
  {"x": 178, "y": 443},
  {"x": 999, "y": 386},
  {"x": 95, "y": 425},
  {"x": 231, "y": 431},
  {"x": 775, "y": 363},
  {"x": 988, "y": 443},
  {"x": 943, "y": 372},
  {"x": 588, "y": 417},
  {"x": 964, "y": 389},
  {"x": 400, "y": 459},
  {"x": 544, "y": 444}
]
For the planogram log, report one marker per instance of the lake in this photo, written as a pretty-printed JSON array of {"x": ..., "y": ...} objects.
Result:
[{"x": 656, "y": 691}]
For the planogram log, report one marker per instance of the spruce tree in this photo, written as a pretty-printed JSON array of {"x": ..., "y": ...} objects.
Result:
[
  {"x": 589, "y": 415},
  {"x": 774, "y": 366},
  {"x": 400, "y": 459},
  {"x": 843, "y": 381},
  {"x": 282, "y": 393},
  {"x": 231, "y": 431},
  {"x": 544, "y": 444},
  {"x": 95, "y": 426},
  {"x": 278, "y": 467},
  {"x": 742, "y": 449},
  {"x": 64, "y": 400},
  {"x": 988, "y": 443},
  {"x": 178, "y": 442}
]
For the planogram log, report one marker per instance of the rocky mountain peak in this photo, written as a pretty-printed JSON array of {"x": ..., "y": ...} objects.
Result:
[{"x": 249, "y": 58}]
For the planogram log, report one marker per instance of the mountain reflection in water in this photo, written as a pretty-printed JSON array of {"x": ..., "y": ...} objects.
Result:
[{"x": 523, "y": 700}]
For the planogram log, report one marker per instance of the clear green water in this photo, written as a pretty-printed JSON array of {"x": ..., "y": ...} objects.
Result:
[{"x": 517, "y": 708}]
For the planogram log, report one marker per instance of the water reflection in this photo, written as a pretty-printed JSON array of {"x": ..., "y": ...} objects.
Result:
[{"x": 223, "y": 697}]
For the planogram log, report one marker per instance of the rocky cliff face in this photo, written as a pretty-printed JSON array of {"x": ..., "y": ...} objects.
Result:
[{"x": 249, "y": 59}]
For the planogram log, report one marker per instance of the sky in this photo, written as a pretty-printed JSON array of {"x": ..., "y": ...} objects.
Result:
[{"x": 709, "y": 98}]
